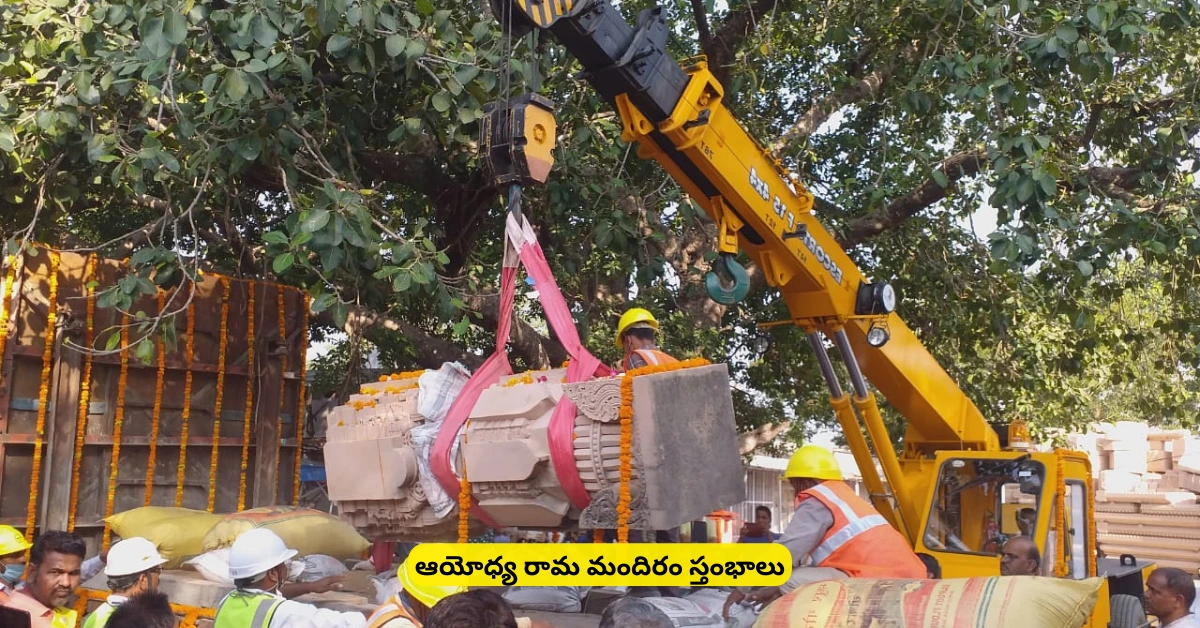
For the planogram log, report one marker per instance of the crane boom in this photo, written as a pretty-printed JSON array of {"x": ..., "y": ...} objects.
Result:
[{"x": 677, "y": 116}]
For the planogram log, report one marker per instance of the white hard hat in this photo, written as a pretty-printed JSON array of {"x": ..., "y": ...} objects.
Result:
[
  {"x": 132, "y": 555},
  {"x": 256, "y": 552}
]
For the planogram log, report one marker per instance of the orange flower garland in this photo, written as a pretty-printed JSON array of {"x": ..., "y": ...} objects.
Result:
[
  {"x": 189, "y": 348},
  {"x": 246, "y": 418},
  {"x": 1090, "y": 526},
  {"x": 1060, "y": 515},
  {"x": 191, "y": 614},
  {"x": 118, "y": 420},
  {"x": 395, "y": 377},
  {"x": 43, "y": 394},
  {"x": 626, "y": 415},
  {"x": 6, "y": 303},
  {"x": 156, "y": 413},
  {"x": 85, "y": 387},
  {"x": 220, "y": 395},
  {"x": 464, "y": 506},
  {"x": 283, "y": 358},
  {"x": 300, "y": 404},
  {"x": 597, "y": 535}
]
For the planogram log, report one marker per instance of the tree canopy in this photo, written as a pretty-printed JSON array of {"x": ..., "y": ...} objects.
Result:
[{"x": 331, "y": 144}]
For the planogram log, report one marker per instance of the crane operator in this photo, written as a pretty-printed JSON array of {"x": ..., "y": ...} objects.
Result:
[
  {"x": 842, "y": 534},
  {"x": 635, "y": 335}
]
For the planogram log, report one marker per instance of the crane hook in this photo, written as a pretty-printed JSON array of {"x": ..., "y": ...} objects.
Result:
[{"x": 727, "y": 283}]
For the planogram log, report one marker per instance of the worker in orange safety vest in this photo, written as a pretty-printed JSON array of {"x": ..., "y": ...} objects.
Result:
[
  {"x": 842, "y": 534},
  {"x": 409, "y": 606},
  {"x": 635, "y": 335}
]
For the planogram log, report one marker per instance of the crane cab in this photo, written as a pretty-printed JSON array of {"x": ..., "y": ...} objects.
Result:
[{"x": 976, "y": 501}]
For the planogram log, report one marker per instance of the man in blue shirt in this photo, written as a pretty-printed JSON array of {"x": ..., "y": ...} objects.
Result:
[{"x": 760, "y": 530}]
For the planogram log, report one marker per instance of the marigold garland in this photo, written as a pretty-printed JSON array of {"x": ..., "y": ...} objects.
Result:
[
  {"x": 626, "y": 415},
  {"x": 85, "y": 387},
  {"x": 186, "y": 414},
  {"x": 6, "y": 303},
  {"x": 118, "y": 421},
  {"x": 597, "y": 535},
  {"x": 1060, "y": 515},
  {"x": 1090, "y": 526},
  {"x": 246, "y": 417},
  {"x": 464, "y": 497},
  {"x": 395, "y": 377},
  {"x": 283, "y": 361},
  {"x": 220, "y": 393},
  {"x": 191, "y": 614},
  {"x": 43, "y": 394},
  {"x": 300, "y": 404},
  {"x": 156, "y": 413}
]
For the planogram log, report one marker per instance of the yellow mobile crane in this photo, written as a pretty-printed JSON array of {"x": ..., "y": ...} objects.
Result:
[{"x": 958, "y": 489}]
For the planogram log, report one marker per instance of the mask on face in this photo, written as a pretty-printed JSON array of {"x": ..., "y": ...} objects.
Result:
[{"x": 12, "y": 573}]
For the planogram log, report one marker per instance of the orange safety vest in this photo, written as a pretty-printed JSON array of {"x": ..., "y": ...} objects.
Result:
[
  {"x": 393, "y": 608},
  {"x": 653, "y": 357},
  {"x": 861, "y": 542}
]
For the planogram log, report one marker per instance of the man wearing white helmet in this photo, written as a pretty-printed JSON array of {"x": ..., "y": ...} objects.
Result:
[
  {"x": 134, "y": 565},
  {"x": 258, "y": 564}
]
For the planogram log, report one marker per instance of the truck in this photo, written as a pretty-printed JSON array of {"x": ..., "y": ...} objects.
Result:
[{"x": 956, "y": 488}]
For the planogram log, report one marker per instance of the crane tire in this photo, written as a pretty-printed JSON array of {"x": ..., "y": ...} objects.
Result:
[{"x": 1126, "y": 611}]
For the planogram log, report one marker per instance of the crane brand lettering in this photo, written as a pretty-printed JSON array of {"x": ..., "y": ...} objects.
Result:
[{"x": 781, "y": 210}]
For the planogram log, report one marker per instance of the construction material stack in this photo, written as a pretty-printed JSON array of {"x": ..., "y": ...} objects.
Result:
[{"x": 1148, "y": 482}]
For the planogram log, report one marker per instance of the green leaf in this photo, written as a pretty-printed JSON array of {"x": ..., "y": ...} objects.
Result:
[
  {"x": 283, "y": 262},
  {"x": 331, "y": 258},
  {"x": 425, "y": 7},
  {"x": 395, "y": 45},
  {"x": 317, "y": 219},
  {"x": 175, "y": 28},
  {"x": 255, "y": 66},
  {"x": 8, "y": 140},
  {"x": 414, "y": 50},
  {"x": 276, "y": 59},
  {"x": 1067, "y": 33},
  {"x": 305, "y": 70},
  {"x": 1095, "y": 15},
  {"x": 1025, "y": 189},
  {"x": 339, "y": 313},
  {"x": 265, "y": 33},
  {"x": 236, "y": 85},
  {"x": 337, "y": 43},
  {"x": 940, "y": 178},
  {"x": 1085, "y": 267},
  {"x": 114, "y": 339},
  {"x": 412, "y": 19},
  {"x": 402, "y": 282},
  {"x": 144, "y": 351},
  {"x": 275, "y": 237},
  {"x": 441, "y": 101}
]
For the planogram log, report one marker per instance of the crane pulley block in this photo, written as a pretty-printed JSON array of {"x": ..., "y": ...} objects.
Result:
[{"x": 516, "y": 139}]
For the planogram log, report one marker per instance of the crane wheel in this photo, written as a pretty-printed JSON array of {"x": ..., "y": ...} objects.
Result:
[
  {"x": 727, "y": 283},
  {"x": 1126, "y": 611}
]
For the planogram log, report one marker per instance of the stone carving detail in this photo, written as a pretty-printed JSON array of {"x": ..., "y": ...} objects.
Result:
[
  {"x": 598, "y": 400},
  {"x": 602, "y": 512}
]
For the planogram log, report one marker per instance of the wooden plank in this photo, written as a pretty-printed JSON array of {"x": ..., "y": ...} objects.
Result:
[
  {"x": 1170, "y": 532},
  {"x": 1151, "y": 553},
  {"x": 1179, "y": 521},
  {"x": 1148, "y": 542},
  {"x": 1175, "y": 497},
  {"x": 1116, "y": 507},
  {"x": 266, "y": 429},
  {"x": 60, "y": 441}
]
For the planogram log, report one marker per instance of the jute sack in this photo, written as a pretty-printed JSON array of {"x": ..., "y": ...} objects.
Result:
[
  {"x": 178, "y": 532},
  {"x": 304, "y": 530},
  {"x": 997, "y": 602}
]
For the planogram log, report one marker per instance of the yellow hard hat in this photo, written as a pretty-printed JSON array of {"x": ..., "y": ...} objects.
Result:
[
  {"x": 813, "y": 461},
  {"x": 426, "y": 594},
  {"x": 635, "y": 317},
  {"x": 12, "y": 541}
]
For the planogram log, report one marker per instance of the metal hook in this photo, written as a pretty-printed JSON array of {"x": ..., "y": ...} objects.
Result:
[{"x": 727, "y": 283}]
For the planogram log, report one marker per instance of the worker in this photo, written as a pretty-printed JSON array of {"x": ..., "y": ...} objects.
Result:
[
  {"x": 50, "y": 579},
  {"x": 134, "y": 565},
  {"x": 1170, "y": 594},
  {"x": 147, "y": 609},
  {"x": 480, "y": 608},
  {"x": 635, "y": 335},
  {"x": 933, "y": 570},
  {"x": 844, "y": 536},
  {"x": 760, "y": 530},
  {"x": 632, "y": 612},
  {"x": 409, "y": 607},
  {"x": 258, "y": 564},
  {"x": 1026, "y": 519},
  {"x": 12, "y": 560},
  {"x": 1020, "y": 557}
]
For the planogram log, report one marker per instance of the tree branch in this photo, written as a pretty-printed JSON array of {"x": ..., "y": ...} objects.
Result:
[
  {"x": 702, "y": 29},
  {"x": 867, "y": 87},
  {"x": 738, "y": 25},
  {"x": 760, "y": 436},
  {"x": 431, "y": 351},
  {"x": 538, "y": 351},
  {"x": 954, "y": 168}
]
